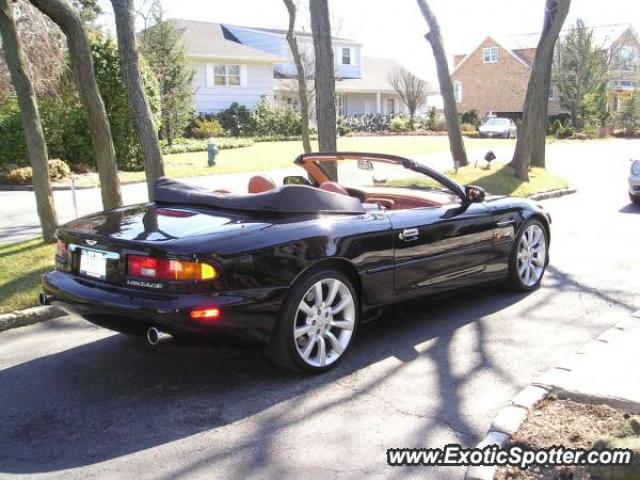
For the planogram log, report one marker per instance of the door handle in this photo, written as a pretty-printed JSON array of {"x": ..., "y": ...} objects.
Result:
[
  {"x": 505, "y": 223},
  {"x": 409, "y": 234}
]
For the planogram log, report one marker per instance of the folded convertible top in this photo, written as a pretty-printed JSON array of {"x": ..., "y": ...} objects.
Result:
[{"x": 285, "y": 199}]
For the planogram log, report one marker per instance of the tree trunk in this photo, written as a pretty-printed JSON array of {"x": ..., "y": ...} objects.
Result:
[
  {"x": 324, "y": 74},
  {"x": 530, "y": 146},
  {"x": 456, "y": 143},
  {"x": 153, "y": 163},
  {"x": 65, "y": 16},
  {"x": 36, "y": 145},
  {"x": 302, "y": 76}
]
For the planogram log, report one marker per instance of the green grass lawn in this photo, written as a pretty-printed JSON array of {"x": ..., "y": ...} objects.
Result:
[
  {"x": 500, "y": 180},
  {"x": 21, "y": 266},
  {"x": 263, "y": 156}
]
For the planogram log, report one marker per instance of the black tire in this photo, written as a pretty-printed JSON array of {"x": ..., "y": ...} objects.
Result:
[
  {"x": 514, "y": 280},
  {"x": 283, "y": 349},
  {"x": 634, "y": 198}
]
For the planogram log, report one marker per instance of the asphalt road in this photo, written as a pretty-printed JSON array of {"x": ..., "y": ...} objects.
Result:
[{"x": 78, "y": 401}]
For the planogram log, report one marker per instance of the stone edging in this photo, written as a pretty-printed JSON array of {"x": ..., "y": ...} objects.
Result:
[
  {"x": 29, "y": 316},
  {"x": 509, "y": 419},
  {"x": 552, "y": 194}
]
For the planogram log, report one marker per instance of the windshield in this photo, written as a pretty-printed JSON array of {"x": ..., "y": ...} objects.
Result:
[
  {"x": 498, "y": 121},
  {"x": 363, "y": 174}
]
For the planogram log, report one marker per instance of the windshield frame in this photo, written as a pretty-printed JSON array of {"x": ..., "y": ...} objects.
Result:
[{"x": 311, "y": 163}]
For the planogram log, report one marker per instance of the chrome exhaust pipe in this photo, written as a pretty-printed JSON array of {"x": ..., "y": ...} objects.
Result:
[
  {"x": 43, "y": 299},
  {"x": 155, "y": 337}
]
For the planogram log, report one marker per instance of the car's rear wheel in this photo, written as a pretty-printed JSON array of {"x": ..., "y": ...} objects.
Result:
[
  {"x": 529, "y": 257},
  {"x": 634, "y": 198},
  {"x": 318, "y": 323}
]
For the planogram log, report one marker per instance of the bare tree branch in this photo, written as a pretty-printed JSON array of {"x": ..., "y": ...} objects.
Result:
[{"x": 412, "y": 90}]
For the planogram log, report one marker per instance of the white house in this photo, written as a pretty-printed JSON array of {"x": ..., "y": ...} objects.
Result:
[{"x": 242, "y": 64}]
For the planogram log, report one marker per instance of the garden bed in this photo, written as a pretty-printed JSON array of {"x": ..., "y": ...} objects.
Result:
[{"x": 570, "y": 424}]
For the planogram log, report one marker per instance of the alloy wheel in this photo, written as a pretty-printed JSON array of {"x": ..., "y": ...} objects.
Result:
[
  {"x": 324, "y": 322},
  {"x": 532, "y": 255}
]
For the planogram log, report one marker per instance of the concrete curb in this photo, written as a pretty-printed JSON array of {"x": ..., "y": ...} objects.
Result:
[
  {"x": 509, "y": 419},
  {"x": 29, "y": 316},
  {"x": 553, "y": 194}
]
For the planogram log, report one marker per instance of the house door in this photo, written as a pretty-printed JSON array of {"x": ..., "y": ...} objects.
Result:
[{"x": 391, "y": 106}]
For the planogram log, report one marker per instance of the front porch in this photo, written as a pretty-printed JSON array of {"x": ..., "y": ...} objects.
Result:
[{"x": 356, "y": 103}]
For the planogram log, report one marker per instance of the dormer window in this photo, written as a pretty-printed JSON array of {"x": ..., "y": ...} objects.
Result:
[{"x": 490, "y": 55}]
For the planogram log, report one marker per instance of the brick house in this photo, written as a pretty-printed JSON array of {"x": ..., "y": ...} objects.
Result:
[{"x": 494, "y": 76}]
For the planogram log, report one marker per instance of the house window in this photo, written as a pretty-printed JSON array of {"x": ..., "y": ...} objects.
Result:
[
  {"x": 627, "y": 58},
  {"x": 551, "y": 91},
  {"x": 345, "y": 56},
  {"x": 617, "y": 103},
  {"x": 457, "y": 90},
  {"x": 224, "y": 75},
  {"x": 391, "y": 106},
  {"x": 490, "y": 55}
]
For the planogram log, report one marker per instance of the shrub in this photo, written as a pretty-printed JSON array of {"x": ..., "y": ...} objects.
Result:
[
  {"x": 440, "y": 125},
  {"x": 65, "y": 125},
  {"x": 432, "y": 117},
  {"x": 16, "y": 175},
  {"x": 237, "y": 120},
  {"x": 191, "y": 145},
  {"x": 399, "y": 124},
  {"x": 467, "y": 127},
  {"x": 472, "y": 117},
  {"x": 203, "y": 129},
  {"x": 473, "y": 134},
  {"x": 556, "y": 126}
]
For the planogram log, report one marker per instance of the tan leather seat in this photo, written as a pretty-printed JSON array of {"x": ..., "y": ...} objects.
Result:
[
  {"x": 260, "y": 184},
  {"x": 333, "y": 187},
  {"x": 386, "y": 203}
]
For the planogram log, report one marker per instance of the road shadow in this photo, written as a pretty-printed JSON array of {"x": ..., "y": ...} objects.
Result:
[{"x": 114, "y": 396}]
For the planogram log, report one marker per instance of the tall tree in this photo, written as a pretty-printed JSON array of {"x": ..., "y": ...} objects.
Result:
[
  {"x": 434, "y": 37},
  {"x": 412, "y": 90},
  {"x": 163, "y": 49},
  {"x": 530, "y": 146},
  {"x": 142, "y": 117},
  {"x": 66, "y": 17},
  {"x": 579, "y": 70},
  {"x": 30, "y": 114},
  {"x": 43, "y": 50},
  {"x": 301, "y": 74},
  {"x": 325, "y": 81}
]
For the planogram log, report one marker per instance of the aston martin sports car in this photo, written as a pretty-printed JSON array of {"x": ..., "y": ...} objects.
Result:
[{"x": 294, "y": 264}]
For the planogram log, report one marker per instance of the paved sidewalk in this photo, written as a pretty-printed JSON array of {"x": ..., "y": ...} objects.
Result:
[{"x": 603, "y": 371}]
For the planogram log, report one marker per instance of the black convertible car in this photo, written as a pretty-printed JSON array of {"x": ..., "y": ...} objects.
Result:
[{"x": 295, "y": 267}]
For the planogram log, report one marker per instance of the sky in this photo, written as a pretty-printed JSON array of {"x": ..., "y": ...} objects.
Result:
[{"x": 395, "y": 28}]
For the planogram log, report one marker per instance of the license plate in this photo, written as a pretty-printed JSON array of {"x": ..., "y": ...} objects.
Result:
[{"x": 93, "y": 263}]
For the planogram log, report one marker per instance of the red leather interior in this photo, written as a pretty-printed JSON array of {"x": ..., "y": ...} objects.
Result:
[
  {"x": 333, "y": 187},
  {"x": 260, "y": 184},
  {"x": 400, "y": 202}
]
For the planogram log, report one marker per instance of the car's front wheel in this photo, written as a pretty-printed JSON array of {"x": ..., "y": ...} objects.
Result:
[
  {"x": 318, "y": 323},
  {"x": 529, "y": 257}
]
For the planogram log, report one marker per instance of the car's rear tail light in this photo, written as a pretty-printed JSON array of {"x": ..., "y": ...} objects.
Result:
[
  {"x": 61, "y": 250},
  {"x": 205, "y": 313},
  {"x": 168, "y": 269}
]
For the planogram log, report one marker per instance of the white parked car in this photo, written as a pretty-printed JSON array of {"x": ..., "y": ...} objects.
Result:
[
  {"x": 634, "y": 182},
  {"x": 498, "y": 127}
]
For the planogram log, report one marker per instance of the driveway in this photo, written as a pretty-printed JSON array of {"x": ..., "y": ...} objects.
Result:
[{"x": 78, "y": 401}]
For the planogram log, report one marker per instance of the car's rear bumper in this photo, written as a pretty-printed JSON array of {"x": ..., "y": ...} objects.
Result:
[
  {"x": 634, "y": 185},
  {"x": 248, "y": 314}
]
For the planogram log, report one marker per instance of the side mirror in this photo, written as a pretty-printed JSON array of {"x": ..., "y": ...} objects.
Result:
[
  {"x": 295, "y": 180},
  {"x": 474, "y": 193},
  {"x": 365, "y": 165}
]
